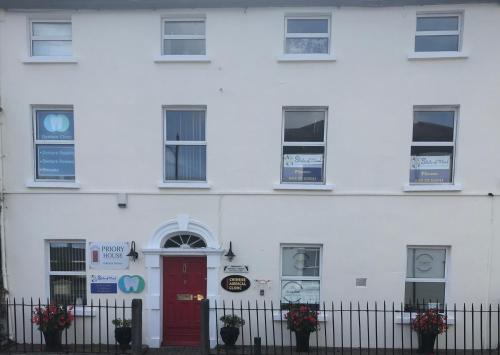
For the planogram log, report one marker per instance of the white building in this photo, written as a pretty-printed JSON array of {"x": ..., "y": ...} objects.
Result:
[{"x": 347, "y": 152}]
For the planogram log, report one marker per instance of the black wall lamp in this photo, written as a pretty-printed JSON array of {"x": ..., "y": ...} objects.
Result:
[
  {"x": 132, "y": 254},
  {"x": 230, "y": 255}
]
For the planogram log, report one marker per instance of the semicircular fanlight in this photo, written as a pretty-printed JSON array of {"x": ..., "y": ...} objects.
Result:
[{"x": 185, "y": 241}]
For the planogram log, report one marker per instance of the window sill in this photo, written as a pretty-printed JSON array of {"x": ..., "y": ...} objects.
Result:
[
  {"x": 307, "y": 58},
  {"x": 325, "y": 187},
  {"x": 182, "y": 59},
  {"x": 446, "y": 187},
  {"x": 322, "y": 318},
  {"x": 404, "y": 318},
  {"x": 50, "y": 60},
  {"x": 437, "y": 55},
  {"x": 53, "y": 184},
  {"x": 184, "y": 185},
  {"x": 84, "y": 312}
]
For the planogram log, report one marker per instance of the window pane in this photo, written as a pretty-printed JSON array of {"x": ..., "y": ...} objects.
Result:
[
  {"x": 62, "y": 29},
  {"x": 66, "y": 289},
  {"x": 425, "y": 294},
  {"x": 54, "y": 125},
  {"x": 426, "y": 263},
  {"x": 433, "y": 126},
  {"x": 436, "y": 43},
  {"x": 302, "y": 164},
  {"x": 184, "y": 46},
  {"x": 445, "y": 23},
  {"x": 185, "y": 125},
  {"x": 306, "y": 45},
  {"x": 67, "y": 256},
  {"x": 300, "y": 261},
  {"x": 185, "y": 162},
  {"x": 302, "y": 292},
  {"x": 55, "y": 161},
  {"x": 307, "y": 26},
  {"x": 304, "y": 126},
  {"x": 431, "y": 165},
  {"x": 184, "y": 28},
  {"x": 51, "y": 48}
]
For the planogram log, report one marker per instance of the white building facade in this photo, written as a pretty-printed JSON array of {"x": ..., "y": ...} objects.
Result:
[{"x": 346, "y": 152}]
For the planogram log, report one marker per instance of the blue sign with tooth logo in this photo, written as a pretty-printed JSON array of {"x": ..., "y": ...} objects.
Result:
[{"x": 131, "y": 284}]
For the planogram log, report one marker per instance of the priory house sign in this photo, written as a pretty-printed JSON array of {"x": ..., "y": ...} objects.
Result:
[{"x": 235, "y": 283}]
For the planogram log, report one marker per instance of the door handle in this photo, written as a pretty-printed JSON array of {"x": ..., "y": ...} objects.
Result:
[{"x": 198, "y": 297}]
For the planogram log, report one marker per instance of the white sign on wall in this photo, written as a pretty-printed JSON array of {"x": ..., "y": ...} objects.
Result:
[{"x": 108, "y": 255}]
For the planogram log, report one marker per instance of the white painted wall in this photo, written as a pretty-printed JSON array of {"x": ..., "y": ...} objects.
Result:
[{"x": 364, "y": 225}]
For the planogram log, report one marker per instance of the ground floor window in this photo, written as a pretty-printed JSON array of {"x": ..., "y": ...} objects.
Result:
[
  {"x": 425, "y": 284},
  {"x": 67, "y": 272},
  {"x": 300, "y": 275}
]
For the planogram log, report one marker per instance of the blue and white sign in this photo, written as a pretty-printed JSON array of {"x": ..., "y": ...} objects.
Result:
[
  {"x": 103, "y": 284},
  {"x": 54, "y": 125},
  {"x": 131, "y": 284},
  {"x": 302, "y": 168},
  {"x": 430, "y": 169},
  {"x": 55, "y": 161}
]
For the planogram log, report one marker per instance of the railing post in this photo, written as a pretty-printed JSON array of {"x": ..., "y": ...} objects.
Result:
[
  {"x": 204, "y": 327},
  {"x": 136, "y": 326}
]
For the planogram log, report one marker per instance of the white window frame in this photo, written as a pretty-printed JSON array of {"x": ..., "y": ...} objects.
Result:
[
  {"x": 32, "y": 37},
  {"x": 455, "y": 109},
  {"x": 308, "y": 35},
  {"x": 303, "y": 144},
  {"x": 173, "y": 37},
  {"x": 37, "y": 142},
  {"x": 434, "y": 279},
  {"x": 458, "y": 32},
  {"x": 66, "y": 273},
  {"x": 184, "y": 183},
  {"x": 302, "y": 278}
]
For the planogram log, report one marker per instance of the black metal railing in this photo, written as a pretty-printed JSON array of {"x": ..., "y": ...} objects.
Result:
[
  {"x": 91, "y": 330},
  {"x": 355, "y": 328}
]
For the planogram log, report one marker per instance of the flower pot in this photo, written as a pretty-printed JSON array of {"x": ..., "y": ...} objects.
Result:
[
  {"x": 426, "y": 343},
  {"x": 52, "y": 339},
  {"x": 229, "y": 335},
  {"x": 123, "y": 336},
  {"x": 302, "y": 341}
]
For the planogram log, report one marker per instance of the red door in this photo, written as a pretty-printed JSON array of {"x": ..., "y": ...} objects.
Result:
[{"x": 184, "y": 287}]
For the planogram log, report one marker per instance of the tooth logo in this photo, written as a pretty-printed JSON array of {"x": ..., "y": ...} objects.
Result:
[
  {"x": 56, "y": 123},
  {"x": 131, "y": 284}
]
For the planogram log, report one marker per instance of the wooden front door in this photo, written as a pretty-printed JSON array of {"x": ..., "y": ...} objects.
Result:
[{"x": 184, "y": 287}]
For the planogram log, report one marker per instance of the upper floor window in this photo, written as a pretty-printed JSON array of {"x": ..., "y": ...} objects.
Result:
[
  {"x": 185, "y": 144},
  {"x": 307, "y": 35},
  {"x": 67, "y": 272},
  {"x": 304, "y": 142},
  {"x": 54, "y": 144},
  {"x": 433, "y": 145},
  {"x": 438, "y": 33},
  {"x": 425, "y": 277},
  {"x": 50, "y": 38},
  {"x": 184, "y": 36}
]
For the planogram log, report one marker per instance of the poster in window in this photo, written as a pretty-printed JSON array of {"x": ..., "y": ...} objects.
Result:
[
  {"x": 303, "y": 167},
  {"x": 56, "y": 161},
  {"x": 298, "y": 291},
  {"x": 430, "y": 169}
]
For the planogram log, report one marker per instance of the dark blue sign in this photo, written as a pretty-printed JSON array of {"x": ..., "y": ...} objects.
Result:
[
  {"x": 56, "y": 161},
  {"x": 54, "y": 125},
  {"x": 103, "y": 288}
]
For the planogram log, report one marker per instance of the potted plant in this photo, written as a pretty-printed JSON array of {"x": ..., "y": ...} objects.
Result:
[
  {"x": 231, "y": 329},
  {"x": 303, "y": 321},
  {"x": 123, "y": 332},
  {"x": 428, "y": 325},
  {"x": 51, "y": 321}
]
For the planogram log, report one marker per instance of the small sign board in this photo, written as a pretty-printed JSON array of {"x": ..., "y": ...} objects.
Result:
[
  {"x": 236, "y": 269},
  {"x": 235, "y": 283},
  {"x": 103, "y": 284},
  {"x": 108, "y": 255},
  {"x": 131, "y": 284}
]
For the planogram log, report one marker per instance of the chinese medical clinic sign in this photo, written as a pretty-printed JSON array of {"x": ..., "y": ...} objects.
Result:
[{"x": 108, "y": 255}]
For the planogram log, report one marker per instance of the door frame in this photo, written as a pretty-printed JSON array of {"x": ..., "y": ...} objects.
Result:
[{"x": 154, "y": 253}]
